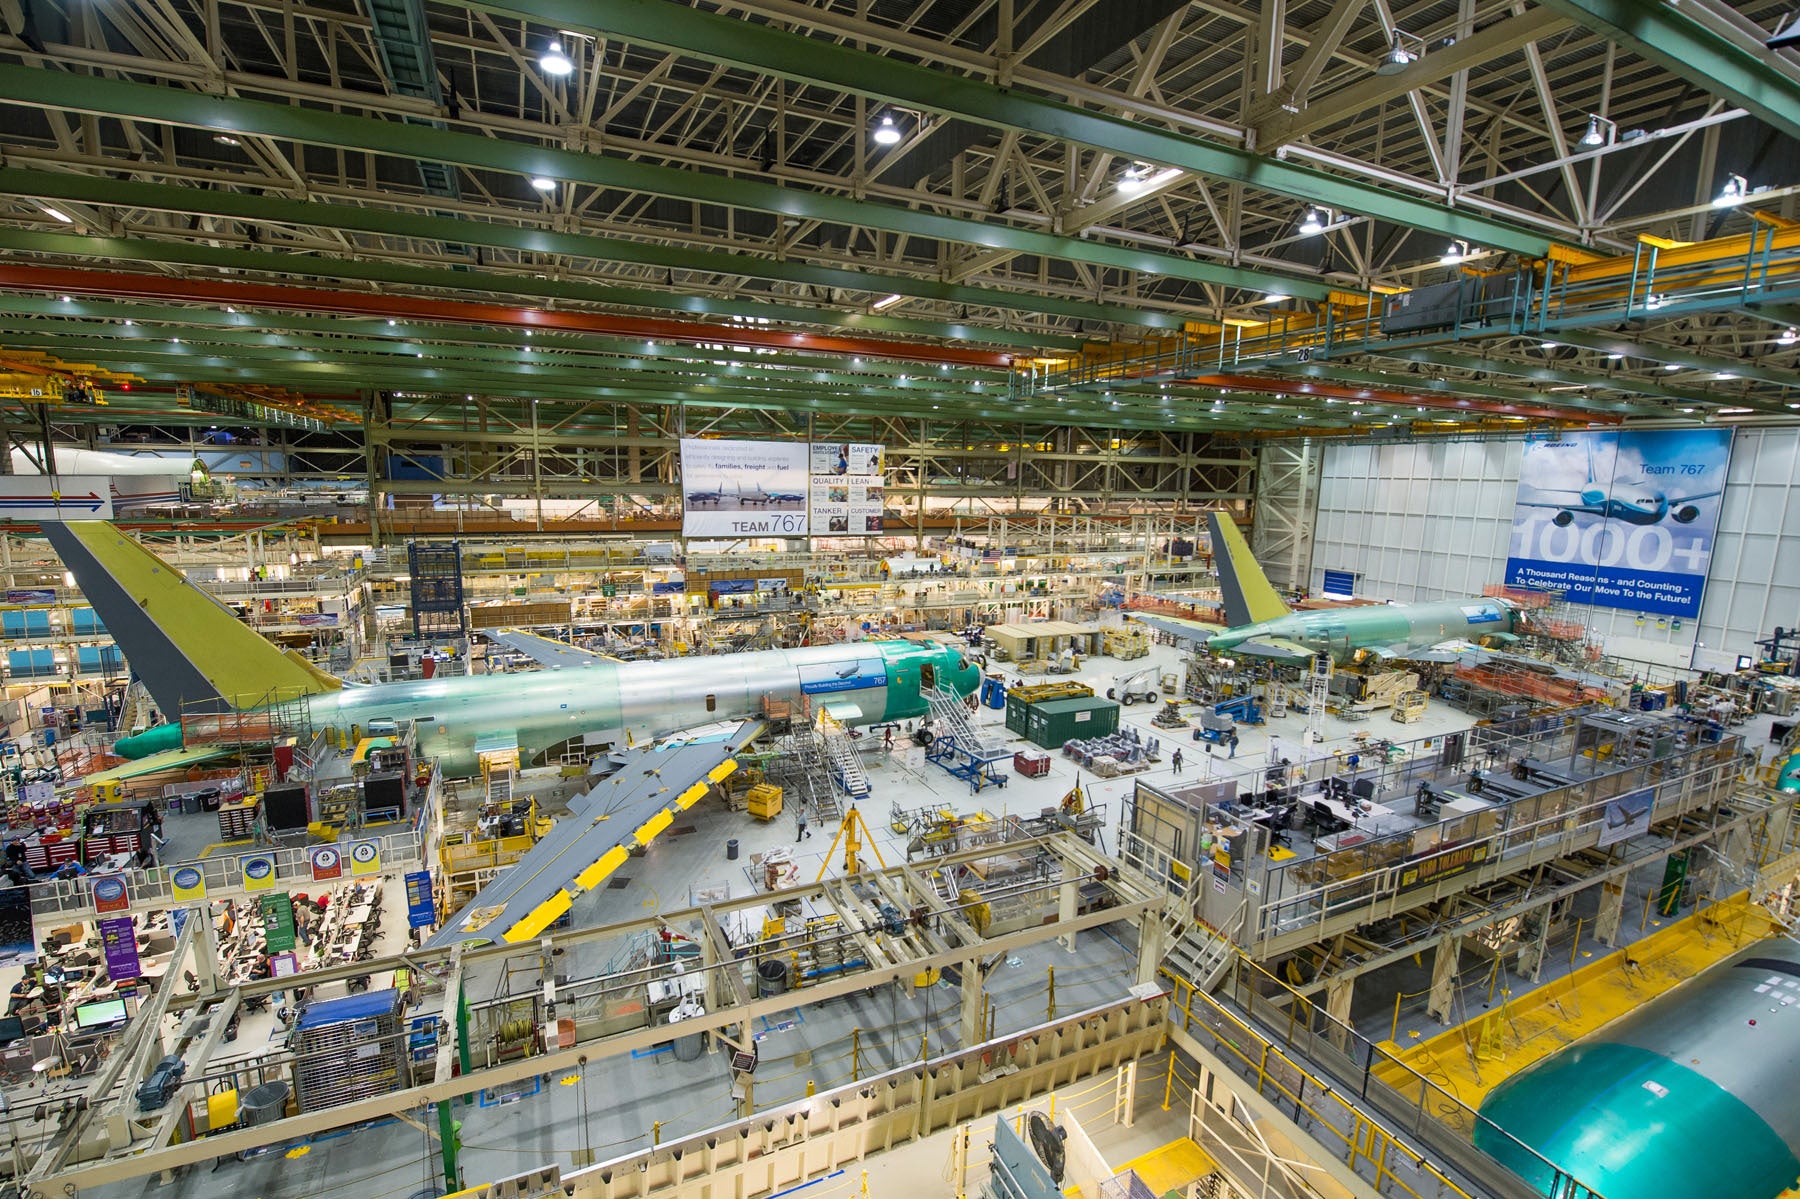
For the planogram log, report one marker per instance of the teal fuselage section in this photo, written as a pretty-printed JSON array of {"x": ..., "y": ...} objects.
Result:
[{"x": 1344, "y": 631}]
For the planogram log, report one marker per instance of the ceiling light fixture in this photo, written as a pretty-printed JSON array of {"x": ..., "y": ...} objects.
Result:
[
  {"x": 60, "y": 215},
  {"x": 1788, "y": 338},
  {"x": 1548, "y": 345},
  {"x": 1312, "y": 226},
  {"x": 886, "y": 132},
  {"x": 1600, "y": 131},
  {"x": 1454, "y": 254},
  {"x": 1724, "y": 375},
  {"x": 1732, "y": 194},
  {"x": 1135, "y": 179},
  {"x": 225, "y": 139},
  {"x": 1274, "y": 297},
  {"x": 1736, "y": 411},
  {"x": 1398, "y": 57},
  {"x": 887, "y": 302},
  {"x": 543, "y": 183},
  {"x": 1671, "y": 366},
  {"x": 1614, "y": 357},
  {"x": 555, "y": 62}
]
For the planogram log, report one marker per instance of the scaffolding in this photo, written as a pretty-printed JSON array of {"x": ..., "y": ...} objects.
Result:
[{"x": 435, "y": 569}]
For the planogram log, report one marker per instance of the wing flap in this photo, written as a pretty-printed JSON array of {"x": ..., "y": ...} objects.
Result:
[{"x": 626, "y": 810}]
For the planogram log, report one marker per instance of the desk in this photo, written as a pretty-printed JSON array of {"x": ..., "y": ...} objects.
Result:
[{"x": 1345, "y": 812}]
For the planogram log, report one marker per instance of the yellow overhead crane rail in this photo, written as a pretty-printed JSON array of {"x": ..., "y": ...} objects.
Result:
[{"x": 1570, "y": 282}]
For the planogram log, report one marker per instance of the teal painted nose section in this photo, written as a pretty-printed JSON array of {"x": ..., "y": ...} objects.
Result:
[{"x": 160, "y": 739}]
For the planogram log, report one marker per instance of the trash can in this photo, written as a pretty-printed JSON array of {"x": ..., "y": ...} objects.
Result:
[
  {"x": 262, "y": 1104},
  {"x": 731, "y": 850},
  {"x": 771, "y": 978}
]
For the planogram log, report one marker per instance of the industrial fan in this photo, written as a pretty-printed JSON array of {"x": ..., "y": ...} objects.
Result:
[{"x": 1047, "y": 1143}]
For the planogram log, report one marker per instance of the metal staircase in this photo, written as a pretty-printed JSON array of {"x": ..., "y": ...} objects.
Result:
[
  {"x": 1201, "y": 955},
  {"x": 804, "y": 774},
  {"x": 958, "y": 745},
  {"x": 847, "y": 773},
  {"x": 950, "y": 718}
]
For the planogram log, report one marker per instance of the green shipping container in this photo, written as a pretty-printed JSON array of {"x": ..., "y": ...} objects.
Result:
[{"x": 1051, "y": 723}]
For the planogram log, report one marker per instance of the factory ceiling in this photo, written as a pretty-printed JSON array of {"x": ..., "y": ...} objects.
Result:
[{"x": 1118, "y": 213}]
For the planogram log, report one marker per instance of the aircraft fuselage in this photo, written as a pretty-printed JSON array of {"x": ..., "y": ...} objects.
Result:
[
  {"x": 1345, "y": 631},
  {"x": 648, "y": 699}
]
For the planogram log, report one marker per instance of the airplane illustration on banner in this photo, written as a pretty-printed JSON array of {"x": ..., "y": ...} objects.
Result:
[{"x": 1637, "y": 503}]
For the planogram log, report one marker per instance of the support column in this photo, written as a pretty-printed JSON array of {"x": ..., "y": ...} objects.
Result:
[
  {"x": 1065, "y": 908},
  {"x": 1153, "y": 941},
  {"x": 1612, "y": 912},
  {"x": 1531, "y": 956},
  {"x": 1338, "y": 994},
  {"x": 1443, "y": 979},
  {"x": 206, "y": 952},
  {"x": 973, "y": 1024}
]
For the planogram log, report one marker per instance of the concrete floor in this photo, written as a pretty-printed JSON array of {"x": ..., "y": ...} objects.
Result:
[{"x": 616, "y": 1106}]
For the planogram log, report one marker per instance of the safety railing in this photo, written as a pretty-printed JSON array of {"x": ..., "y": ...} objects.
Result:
[
  {"x": 1761, "y": 267},
  {"x": 1320, "y": 1074},
  {"x": 1367, "y": 877},
  {"x": 213, "y": 878}
]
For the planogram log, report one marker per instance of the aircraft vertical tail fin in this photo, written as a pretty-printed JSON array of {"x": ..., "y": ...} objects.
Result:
[
  {"x": 191, "y": 652},
  {"x": 1249, "y": 596}
]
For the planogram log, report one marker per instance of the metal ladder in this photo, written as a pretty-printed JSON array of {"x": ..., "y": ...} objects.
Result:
[{"x": 500, "y": 789}]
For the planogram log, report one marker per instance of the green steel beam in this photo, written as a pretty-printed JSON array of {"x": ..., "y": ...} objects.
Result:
[
  {"x": 414, "y": 335},
  {"x": 318, "y": 266},
  {"x": 279, "y": 366},
  {"x": 1546, "y": 374},
  {"x": 93, "y": 94},
  {"x": 220, "y": 370},
  {"x": 1748, "y": 77},
  {"x": 1425, "y": 384},
  {"x": 1651, "y": 352},
  {"x": 89, "y": 189},
  {"x": 72, "y": 339},
  {"x": 767, "y": 50}
]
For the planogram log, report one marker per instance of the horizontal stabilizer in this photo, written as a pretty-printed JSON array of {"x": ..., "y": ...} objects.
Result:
[
  {"x": 1277, "y": 649},
  {"x": 1196, "y": 632},
  {"x": 552, "y": 655}
]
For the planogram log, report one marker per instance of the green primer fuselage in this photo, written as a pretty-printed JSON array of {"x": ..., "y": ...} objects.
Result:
[{"x": 862, "y": 682}]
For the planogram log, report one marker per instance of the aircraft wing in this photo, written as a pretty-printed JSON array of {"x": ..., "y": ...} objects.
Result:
[
  {"x": 628, "y": 808},
  {"x": 1196, "y": 631},
  {"x": 1278, "y": 649},
  {"x": 1449, "y": 651},
  {"x": 1574, "y": 507},
  {"x": 552, "y": 655},
  {"x": 1688, "y": 499}
]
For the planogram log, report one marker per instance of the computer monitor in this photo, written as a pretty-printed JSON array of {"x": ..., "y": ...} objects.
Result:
[
  {"x": 12, "y": 1028},
  {"x": 100, "y": 1014}
]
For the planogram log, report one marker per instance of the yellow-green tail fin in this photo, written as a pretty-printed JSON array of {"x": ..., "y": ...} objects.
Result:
[
  {"x": 190, "y": 651},
  {"x": 1249, "y": 596}
]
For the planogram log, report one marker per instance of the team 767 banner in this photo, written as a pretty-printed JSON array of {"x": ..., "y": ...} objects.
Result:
[{"x": 1620, "y": 519}]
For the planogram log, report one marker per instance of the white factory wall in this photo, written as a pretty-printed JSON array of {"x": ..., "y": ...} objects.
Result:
[{"x": 1432, "y": 520}]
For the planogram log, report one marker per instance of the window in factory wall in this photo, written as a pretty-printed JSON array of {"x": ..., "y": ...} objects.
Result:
[{"x": 712, "y": 703}]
